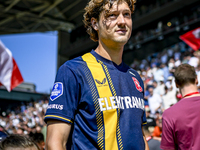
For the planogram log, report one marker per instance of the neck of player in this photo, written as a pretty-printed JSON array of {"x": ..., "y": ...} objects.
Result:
[
  {"x": 188, "y": 90},
  {"x": 111, "y": 52}
]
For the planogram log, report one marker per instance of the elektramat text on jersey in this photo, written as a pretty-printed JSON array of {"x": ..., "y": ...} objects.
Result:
[{"x": 125, "y": 102}]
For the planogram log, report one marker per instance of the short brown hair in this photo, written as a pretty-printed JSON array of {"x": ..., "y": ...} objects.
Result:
[
  {"x": 185, "y": 74},
  {"x": 17, "y": 141},
  {"x": 94, "y": 8}
]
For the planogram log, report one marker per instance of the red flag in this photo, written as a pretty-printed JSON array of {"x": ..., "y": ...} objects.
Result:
[
  {"x": 192, "y": 38},
  {"x": 10, "y": 75}
]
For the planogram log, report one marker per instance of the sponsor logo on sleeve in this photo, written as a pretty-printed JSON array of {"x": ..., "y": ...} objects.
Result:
[
  {"x": 57, "y": 91},
  {"x": 55, "y": 106}
]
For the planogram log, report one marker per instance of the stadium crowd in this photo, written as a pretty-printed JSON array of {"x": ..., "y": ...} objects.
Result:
[{"x": 26, "y": 119}]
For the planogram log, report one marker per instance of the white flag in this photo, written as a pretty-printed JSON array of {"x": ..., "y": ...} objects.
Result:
[{"x": 10, "y": 75}]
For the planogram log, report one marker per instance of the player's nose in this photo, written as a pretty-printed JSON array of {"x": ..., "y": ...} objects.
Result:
[{"x": 121, "y": 20}]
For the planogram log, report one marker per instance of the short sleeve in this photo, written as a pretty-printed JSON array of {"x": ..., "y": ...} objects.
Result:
[
  {"x": 63, "y": 100},
  {"x": 144, "y": 120},
  {"x": 167, "y": 140}
]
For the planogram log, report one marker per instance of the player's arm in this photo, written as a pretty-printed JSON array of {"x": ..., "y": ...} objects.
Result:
[
  {"x": 57, "y": 135},
  {"x": 145, "y": 141}
]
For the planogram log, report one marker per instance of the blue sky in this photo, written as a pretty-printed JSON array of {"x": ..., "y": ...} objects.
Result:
[{"x": 36, "y": 57}]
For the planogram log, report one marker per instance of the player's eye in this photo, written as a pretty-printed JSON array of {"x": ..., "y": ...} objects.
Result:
[
  {"x": 127, "y": 14},
  {"x": 112, "y": 16}
]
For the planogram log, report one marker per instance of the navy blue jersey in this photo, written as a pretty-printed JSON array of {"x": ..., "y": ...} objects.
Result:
[{"x": 102, "y": 101}]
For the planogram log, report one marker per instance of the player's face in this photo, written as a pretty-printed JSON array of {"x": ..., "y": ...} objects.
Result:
[{"x": 116, "y": 26}]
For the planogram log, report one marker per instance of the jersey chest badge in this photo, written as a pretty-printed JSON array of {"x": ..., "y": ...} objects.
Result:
[
  {"x": 57, "y": 91},
  {"x": 137, "y": 84}
]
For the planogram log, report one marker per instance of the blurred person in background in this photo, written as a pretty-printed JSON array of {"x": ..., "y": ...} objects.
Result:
[
  {"x": 156, "y": 90},
  {"x": 169, "y": 98},
  {"x": 159, "y": 73},
  {"x": 38, "y": 138},
  {"x": 154, "y": 101},
  {"x": 153, "y": 143},
  {"x": 171, "y": 83},
  {"x": 171, "y": 65},
  {"x": 161, "y": 86},
  {"x": 18, "y": 142},
  {"x": 157, "y": 132},
  {"x": 181, "y": 122},
  {"x": 166, "y": 71},
  {"x": 198, "y": 76},
  {"x": 151, "y": 122},
  {"x": 194, "y": 59}
]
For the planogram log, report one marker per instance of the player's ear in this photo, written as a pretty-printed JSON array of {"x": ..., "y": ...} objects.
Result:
[
  {"x": 177, "y": 85},
  {"x": 196, "y": 81},
  {"x": 95, "y": 24}
]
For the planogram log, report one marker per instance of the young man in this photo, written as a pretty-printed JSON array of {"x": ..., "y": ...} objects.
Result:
[
  {"x": 97, "y": 100},
  {"x": 181, "y": 122}
]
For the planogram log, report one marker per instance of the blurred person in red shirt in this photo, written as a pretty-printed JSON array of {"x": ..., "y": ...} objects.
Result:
[{"x": 181, "y": 122}]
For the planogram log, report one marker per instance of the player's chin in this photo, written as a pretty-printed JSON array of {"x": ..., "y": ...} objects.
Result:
[{"x": 123, "y": 39}]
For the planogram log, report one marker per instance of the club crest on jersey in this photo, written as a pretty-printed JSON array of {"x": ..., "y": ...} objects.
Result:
[
  {"x": 57, "y": 91},
  {"x": 137, "y": 84}
]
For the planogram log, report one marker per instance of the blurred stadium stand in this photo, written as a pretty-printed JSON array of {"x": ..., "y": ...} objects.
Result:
[{"x": 23, "y": 93}]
